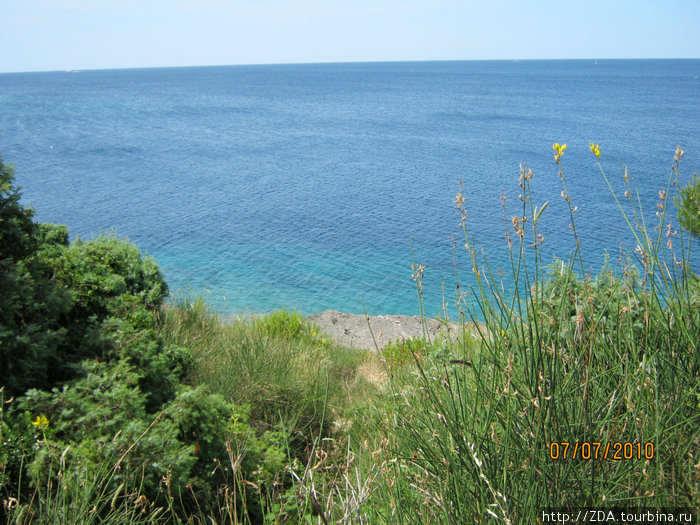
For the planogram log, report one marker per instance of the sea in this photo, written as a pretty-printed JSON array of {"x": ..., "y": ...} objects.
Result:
[{"x": 319, "y": 186}]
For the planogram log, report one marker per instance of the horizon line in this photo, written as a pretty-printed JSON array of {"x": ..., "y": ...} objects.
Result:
[{"x": 324, "y": 62}]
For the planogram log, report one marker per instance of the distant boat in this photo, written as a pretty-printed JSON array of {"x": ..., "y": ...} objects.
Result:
[{"x": 596, "y": 62}]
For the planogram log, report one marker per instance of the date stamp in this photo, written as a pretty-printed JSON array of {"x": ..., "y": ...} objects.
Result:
[{"x": 591, "y": 450}]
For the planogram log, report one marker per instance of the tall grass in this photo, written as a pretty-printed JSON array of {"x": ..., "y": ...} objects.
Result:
[
  {"x": 290, "y": 379},
  {"x": 284, "y": 369},
  {"x": 610, "y": 361}
]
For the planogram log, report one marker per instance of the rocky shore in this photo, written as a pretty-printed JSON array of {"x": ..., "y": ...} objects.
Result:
[{"x": 372, "y": 332}]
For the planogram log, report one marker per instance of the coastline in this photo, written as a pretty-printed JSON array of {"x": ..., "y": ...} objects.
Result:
[
  {"x": 370, "y": 332},
  {"x": 373, "y": 332}
]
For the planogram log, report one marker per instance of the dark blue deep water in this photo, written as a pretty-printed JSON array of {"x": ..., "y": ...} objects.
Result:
[{"x": 302, "y": 186}]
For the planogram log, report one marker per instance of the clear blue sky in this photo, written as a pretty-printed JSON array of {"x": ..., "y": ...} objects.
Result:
[{"x": 37, "y": 35}]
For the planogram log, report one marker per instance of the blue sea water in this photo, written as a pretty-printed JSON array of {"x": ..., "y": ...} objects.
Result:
[{"x": 305, "y": 186}]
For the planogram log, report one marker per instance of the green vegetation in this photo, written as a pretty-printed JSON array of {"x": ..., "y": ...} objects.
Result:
[
  {"x": 116, "y": 407},
  {"x": 689, "y": 207}
]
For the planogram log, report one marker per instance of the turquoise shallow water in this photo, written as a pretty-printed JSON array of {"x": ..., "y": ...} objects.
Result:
[{"x": 304, "y": 185}]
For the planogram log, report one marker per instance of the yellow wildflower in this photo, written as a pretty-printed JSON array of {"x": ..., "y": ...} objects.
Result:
[
  {"x": 559, "y": 151},
  {"x": 595, "y": 149},
  {"x": 41, "y": 422}
]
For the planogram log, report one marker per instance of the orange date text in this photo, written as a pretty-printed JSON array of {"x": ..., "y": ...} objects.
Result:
[{"x": 590, "y": 450}]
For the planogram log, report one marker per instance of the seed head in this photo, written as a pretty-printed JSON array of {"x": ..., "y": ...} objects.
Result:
[
  {"x": 525, "y": 173},
  {"x": 679, "y": 154}
]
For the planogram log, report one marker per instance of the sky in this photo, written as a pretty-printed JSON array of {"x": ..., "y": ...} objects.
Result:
[{"x": 44, "y": 35}]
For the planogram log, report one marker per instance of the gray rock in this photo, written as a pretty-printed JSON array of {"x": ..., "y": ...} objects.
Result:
[{"x": 353, "y": 330}]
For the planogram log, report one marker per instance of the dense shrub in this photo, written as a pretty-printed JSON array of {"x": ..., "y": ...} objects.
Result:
[
  {"x": 94, "y": 400},
  {"x": 79, "y": 348},
  {"x": 31, "y": 303},
  {"x": 61, "y": 302}
]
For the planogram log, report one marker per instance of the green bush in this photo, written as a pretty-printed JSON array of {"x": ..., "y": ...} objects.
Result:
[
  {"x": 182, "y": 459},
  {"x": 106, "y": 273},
  {"x": 80, "y": 351},
  {"x": 283, "y": 325},
  {"x": 688, "y": 205},
  {"x": 98, "y": 428},
  {"x": 57, "y": 296},
  {"x": 17, "y": 231},
  {"x": 32, "y": 336},
  {"x": 402, "y": 352},
  {"x": 99, "y": 399}
]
